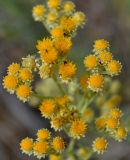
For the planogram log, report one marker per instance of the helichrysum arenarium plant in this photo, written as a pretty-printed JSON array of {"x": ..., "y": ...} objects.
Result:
[{"x": 86, "y": 108}]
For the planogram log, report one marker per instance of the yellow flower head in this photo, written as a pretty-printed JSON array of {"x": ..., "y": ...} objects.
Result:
[
  {"x": 50, "y": 56},
  {"x": 54, "y": 157},
  {"x": 95, "y": 82},
  {"x": 83, "y": 152},
  {"x": 44, "y": 45},
  {"x": 53, "y": 3},
  {"x": 100, "y": 123},
  {"x": 112, "y": 123},
  {"x": 68, "y": 7},
  {"x": 29, "y": 62},
  {"x": 63, "y": 44},
  {"x": 67, "y": 70},
  {"x": 101, "y": 45},
  {"x": 100, "y": 145},
  {"x": 57, "y": 123},
  {"x": 79, "y": 18},
  {"x": 90, "y": 62},
  {"x": 13, "y": 69},
  {"x": 45, "y": 70},
  {"x": 88, "y": 114},
  {"x": 68, "y": 24},
  {"x": 57, "y": 32},
  {"x": 120, "y": 134},
  {"x": 38, "y": 12},
  {"x": 114, "y": 67},
  {"x": 25, "y": 74},
  {"x": 23, "y": 92},
  {"x": 58, "y": 144},
  {"x": 40, "y": 148},
  {"x": 116, "y": 113},
  {"x": 52, "y": 17},
  {"x": 10, "y": 83},
  {"x": 26, "y": 145},
  {"x": 43, "y": 134},
  {"x": 105, "y": 57},
  {"x": 78, "y": 129},
  {"x": 84, "y": 81},
  {"x": 62, "y": 101},
  {"x": 47, "y": 108}
]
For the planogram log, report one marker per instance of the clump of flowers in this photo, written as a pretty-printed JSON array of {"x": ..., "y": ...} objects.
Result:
[{"x": 79, "y": 107}]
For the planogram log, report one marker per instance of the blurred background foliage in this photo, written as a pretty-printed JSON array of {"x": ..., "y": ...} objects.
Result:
[{"x": 108, "y": 19}]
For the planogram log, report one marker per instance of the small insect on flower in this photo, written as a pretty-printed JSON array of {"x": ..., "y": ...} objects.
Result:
[
  {"x": 53, "y": 4},
  {"x": 54, "y": 157},
  {"x": 57, "y": 32},
  {"x": 25, "y": 75},
  {"x": 40, "y": 149},
  {"x": 39, "y": 12},
  {"x": 79, "y": 18},
  {"x": 78, "y": 129},
  {"x": 10, "y": 83},
  {"x": 13, "y": 69},
  {"x": 114, "y": 67},
  {"x": 105, "y": 57},
  {"x": 57, "y": 123},
  {"x": 43, "y": 134},
  {"x": 101, "y": 45},
  {"x": 68, "y": 7},
  {"x": 47, "y": 108},
  {"x": 84, "y": 81},
  {"x": 95, "y": 82},
  {"x": 58, "y": 144},
  {"x": 90, "y": 62},
  {"x": 23, "y": 92},
  {"x": 120, "y": 134},
  {"x": 26, "y": 146},
  {"x": 116, "y": 113},
  {"x": 100, "y": 145},
  {"x": 100, "y": 123},
  {"x": 67, "y": 70},
  {"x": 63, "y": 45},
  {"x": 112, "y": 123}
]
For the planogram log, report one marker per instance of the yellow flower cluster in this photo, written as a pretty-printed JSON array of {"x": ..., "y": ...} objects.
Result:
[
  {"x": 43, "y": 145},
  {"x": 19, "y": 77}
]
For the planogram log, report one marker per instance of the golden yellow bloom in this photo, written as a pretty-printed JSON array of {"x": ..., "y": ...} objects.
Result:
[
  {"x": 38, "y": 12},
  {"x": 68, "y": 7},
  {"x": 45, "y": 70},
  {"x": 57, "y": 32},
  {"x": 68, "y": 24},
  {"x": 43, "y": 134},
  {"x": 105, "y": 57},
  {"x": 67, "y": 70},
  {"x": 120, "y": 134},
  {"x": 78, "y": 129},
  {"x": 25, "y": 74},
  {"x": 44, "y": 45},
  {"x": 13, "y": 68},
  {"x": 84, "y": 81},
  {"x": 116, "y": 113},
  {"x": 90, "y": 62},
  {"x": 100, "y": 123},
  {"x": 88, "y": 114},
  {"x": 101, "y": 45},
  {"x": 47, "y": 108},
  {"x": 114, "y": 67},
  {"x": 50, "y": 56},
  {"x": 53, "y": 3},
  {"x": 29, "y": 62},
  {"x": 40, "y": 149},
  {"x": 52, "y": 17},
  {"x": 26, "y": 145},
  {"x": 10, "y": 83},
  {"x": 79, "y": 18},
  {"x": 58, "y": 144},
  {"x": 23, "y": 92},
  {"x": 95, "y": 82},
  {"x": 100, "y": 145},
  {"x": 63, "y": 44},
  {"x": 54, "y": 157},
  {"x": 57, "y": 123},
  {"x": 112, "y": 123},
  {"x": 62, "y": 101}
]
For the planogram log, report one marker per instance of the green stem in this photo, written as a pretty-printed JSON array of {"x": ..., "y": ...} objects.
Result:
[
  {"x": 39, "y": 96},
  {"x": 71, "y": 146}
]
